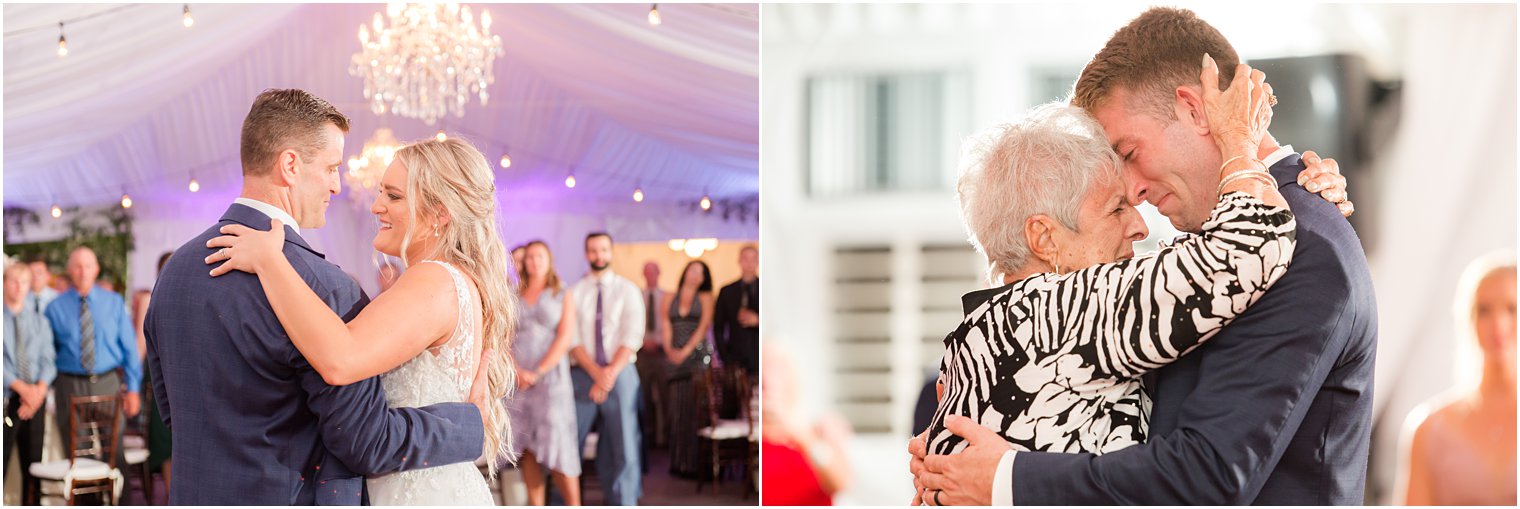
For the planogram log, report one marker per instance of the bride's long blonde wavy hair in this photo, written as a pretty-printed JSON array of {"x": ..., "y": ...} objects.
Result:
[{"x": 453, "y": 178}]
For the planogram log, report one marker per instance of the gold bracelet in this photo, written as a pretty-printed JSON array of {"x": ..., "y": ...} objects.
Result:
[
  {"x": 1230, "y": 160},
  {"x": 1264, "y": 177}
]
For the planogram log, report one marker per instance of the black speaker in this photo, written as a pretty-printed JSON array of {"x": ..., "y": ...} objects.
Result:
[{"x": 1327, "y": 103}]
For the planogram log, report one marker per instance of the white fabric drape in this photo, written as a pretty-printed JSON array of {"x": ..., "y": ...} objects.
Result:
[
  {"x": 142, "y": 105},
  {"x": 1449, "y": 197}
]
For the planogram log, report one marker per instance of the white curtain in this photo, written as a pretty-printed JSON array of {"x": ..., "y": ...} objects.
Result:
[{"x": 1449, "y": 197}]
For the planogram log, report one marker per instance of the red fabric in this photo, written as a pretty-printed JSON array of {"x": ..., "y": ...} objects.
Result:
[{"x": 788, "y": 478}]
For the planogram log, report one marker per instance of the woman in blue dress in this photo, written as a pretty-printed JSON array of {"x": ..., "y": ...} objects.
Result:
[{"x": 543, "y": 410}]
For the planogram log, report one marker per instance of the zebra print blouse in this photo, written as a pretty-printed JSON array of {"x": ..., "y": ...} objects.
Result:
[{"x": 1053, "y": 362}]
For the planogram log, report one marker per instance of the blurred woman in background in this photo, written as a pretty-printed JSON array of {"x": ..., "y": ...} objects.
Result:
[
  {"x": 803, "y": 464},
  {"x": 544, "y": 407},
  {"x": 1459, "y": 448},
  {"x": 688, "y": 316}
]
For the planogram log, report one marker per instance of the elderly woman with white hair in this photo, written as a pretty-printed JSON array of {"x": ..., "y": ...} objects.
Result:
[{"x": 1052, "y": 359}]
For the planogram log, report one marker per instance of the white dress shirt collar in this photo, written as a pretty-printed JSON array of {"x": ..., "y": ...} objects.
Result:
[
  {"x": 270, "y": 210},
  {"x": 1277, "y": 155}
]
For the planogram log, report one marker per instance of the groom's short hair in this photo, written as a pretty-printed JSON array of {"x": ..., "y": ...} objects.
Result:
[
  {"x": 1150, "y": 57},
  {"x": 282, "y": 119}
]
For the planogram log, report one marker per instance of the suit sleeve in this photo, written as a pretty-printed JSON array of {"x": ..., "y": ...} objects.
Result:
[
  {"x": 155, "y": 370},
  {"x": 720, "y": 325},
  {"x": 1255, "y": 386}
]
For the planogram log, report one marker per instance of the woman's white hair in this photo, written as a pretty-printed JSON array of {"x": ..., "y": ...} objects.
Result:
[{"x": 1044, "y": 164}]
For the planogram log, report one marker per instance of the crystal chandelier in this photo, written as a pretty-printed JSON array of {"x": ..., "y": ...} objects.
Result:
[
  {"x": 364, "y": 171},
  {"x": 427, "y": 60}
]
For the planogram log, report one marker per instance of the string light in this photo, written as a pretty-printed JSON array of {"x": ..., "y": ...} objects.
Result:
[
  {"x": 441, "y": 136},
  {"x": 194, "y": 186},
  {"x": 188, "y": 19},
  {"x": 706, "y": 203},
  {"x": 63, "y": 43},
  {"x": 638, "y": 195},
  {"x": 57, "y": 212},
  {"x": 506, "y": 161},
  {"x": 126, "y": 201},
  {"x": 570, "y": 181},
  {"x": 654, "y": 14}
]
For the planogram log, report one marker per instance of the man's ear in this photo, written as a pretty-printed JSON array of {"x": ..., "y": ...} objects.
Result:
[
  {"x": 1039, "y": 234},
  {"x": 287, "y": 168},
  {"x": 1187, "y": 105}
]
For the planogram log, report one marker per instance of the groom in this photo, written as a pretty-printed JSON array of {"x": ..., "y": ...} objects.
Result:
[
  {"x": 253, "y": 423},
  {"x": 1276, "y": 409}
]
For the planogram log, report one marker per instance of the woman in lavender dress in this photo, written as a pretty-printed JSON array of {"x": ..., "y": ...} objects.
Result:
[{"x": 543, "y": 411}]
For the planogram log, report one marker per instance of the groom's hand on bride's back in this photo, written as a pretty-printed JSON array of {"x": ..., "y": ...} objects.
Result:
[{"x": 480, "y": 393}]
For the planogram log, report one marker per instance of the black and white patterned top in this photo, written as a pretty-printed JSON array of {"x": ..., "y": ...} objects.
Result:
[{"x": 1053, "y": 362}]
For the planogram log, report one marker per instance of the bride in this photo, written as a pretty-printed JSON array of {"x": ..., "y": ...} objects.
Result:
[{"x": 423, "y": 336}]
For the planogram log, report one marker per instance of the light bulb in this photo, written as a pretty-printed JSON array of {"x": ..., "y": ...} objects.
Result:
[
  {"x": 126, "y": 201},
  {"x": 57, "y": 212},
  {"x": 506, "y": 161},
  {"x": 63, "y": 46},
  {"x": 194, "y": 186},
  {"x": 638, "y": 195},
  {"x": 441, "y": 136},
  {"x": 570, "y": 181},
  {"x": 654, "y": 14},
  {"x": 706, "y": 203},
  {"x": 188, "y": 20}
]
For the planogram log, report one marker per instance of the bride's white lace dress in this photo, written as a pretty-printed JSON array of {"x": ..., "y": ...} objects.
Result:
[{"x": 439, "y": 375}]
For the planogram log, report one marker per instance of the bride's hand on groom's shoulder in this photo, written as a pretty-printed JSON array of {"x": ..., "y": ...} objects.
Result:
[{"x": 245, "y": 249}]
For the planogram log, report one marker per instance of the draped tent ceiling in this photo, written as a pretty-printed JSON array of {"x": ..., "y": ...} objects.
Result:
[{"x": 142, "y": 104}]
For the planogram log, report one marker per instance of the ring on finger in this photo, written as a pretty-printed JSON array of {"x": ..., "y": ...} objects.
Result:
[
  {"x": 936, "y": 497},
  {"x": 1271, "y": 99}
]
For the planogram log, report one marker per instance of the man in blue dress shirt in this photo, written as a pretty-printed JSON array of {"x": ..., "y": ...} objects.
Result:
[
  {"x": 41, "y": 294},
  {"x": 29, "y": 370},
  {"x": 93, "y": 336}
]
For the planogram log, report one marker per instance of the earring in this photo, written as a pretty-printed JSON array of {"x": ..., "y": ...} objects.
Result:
[{"x": 435, "y": 230}]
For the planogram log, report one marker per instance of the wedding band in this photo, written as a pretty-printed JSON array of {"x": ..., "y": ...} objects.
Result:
[
  {"x": 1271, "y": 99},
  {"x": 936, "y": 498}
]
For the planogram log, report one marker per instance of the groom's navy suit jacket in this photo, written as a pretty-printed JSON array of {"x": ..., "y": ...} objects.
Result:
[
  {"x": 253, "y": 423},
  {"x": 1275, "y": 410}
]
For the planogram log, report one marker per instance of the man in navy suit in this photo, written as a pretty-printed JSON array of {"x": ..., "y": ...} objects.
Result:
[
  {"x": 253, "y": 423},
  {"x": 1276, "y": 409}
]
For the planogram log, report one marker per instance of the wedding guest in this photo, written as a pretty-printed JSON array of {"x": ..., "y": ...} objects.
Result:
[
  {"x": 29, "y": 370},
  {"x": 543, "y": 410},
  {"x": 737, "y": 327},
  {"x": 688, "y": 316},
  {"x": 42, "y": 279},
  {"x": 608, "y": 332},
  {"x": 517, "y": 260},
  {"x": 803, "y": 465},
  {"x": 160, "y": 442},
  {"x": 653, "y": 367},
  {"x": 1459, "y": 448},
  {"x": 93, "y": 336}
]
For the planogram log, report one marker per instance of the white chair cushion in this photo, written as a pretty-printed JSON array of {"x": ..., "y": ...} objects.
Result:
[
  {"x": 85, "y": 469},
  {"x": 136, "y": 456},
  {"x": 726, "y": 430}
]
